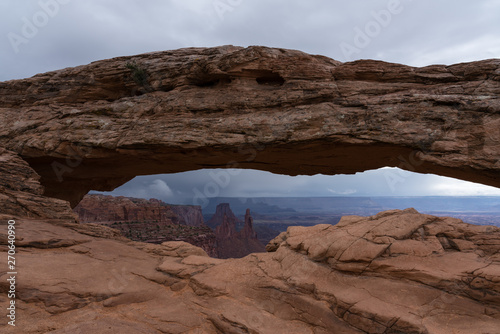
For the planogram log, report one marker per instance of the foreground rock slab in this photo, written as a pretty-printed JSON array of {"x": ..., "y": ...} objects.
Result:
[{"x": 396, "y": 272}]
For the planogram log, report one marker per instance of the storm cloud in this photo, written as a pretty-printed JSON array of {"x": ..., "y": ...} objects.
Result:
[
  {"x": 196, "y": 187},
  {"x": 38, "y": 36}
]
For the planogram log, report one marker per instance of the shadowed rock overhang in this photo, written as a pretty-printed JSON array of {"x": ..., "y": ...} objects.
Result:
[{"x": 99, "y": 125}]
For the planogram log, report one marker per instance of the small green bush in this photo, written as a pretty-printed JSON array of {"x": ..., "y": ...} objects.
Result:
[{"x": 139, "y": 74}]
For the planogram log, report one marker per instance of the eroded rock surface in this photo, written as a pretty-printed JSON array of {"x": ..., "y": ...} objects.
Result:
[
  {"x": 232, "y": 243},
  {"x": 104, "y": 208},
  {"x": 21, "y": 193},
  {"x": 396, "y": 272},
  {"x": 96, "y": 126},
  {"x": 99, "y": 125},
  {"x": 150, "y": 220}
]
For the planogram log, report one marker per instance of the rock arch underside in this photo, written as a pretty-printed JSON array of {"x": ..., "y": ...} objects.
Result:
[{"x": 97, "y": 126}]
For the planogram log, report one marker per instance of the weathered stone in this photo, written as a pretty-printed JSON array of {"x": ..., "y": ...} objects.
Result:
[
  {"x": 21, "y": 195},
  {"x": 92, "y": 283},
  {"x": 395, "y": 272},
  {"x": 150, "y": 220},
  {"x": 230, "y": 242},
  {"x": 102, "y": 208},
  {"x": 222, "y": 209},
  {"x": 95, "y": 127}
]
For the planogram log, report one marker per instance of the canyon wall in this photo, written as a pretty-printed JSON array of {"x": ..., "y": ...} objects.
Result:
[
  {"x": 152, "y": 220},
  {"x": 156, "y": 222},
  {"x": 104, "y": 208},
  {"x": 189, "y": 215}
]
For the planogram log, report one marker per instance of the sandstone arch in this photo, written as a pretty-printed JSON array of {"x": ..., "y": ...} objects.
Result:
[
  {"x": 96, "y": 127},
  {"x": 284, "y": 111}
]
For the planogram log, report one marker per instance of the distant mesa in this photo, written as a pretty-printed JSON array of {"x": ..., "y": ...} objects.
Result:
[
  {"x": 223, "y": 209},
  {"x": 230, "y": 242}
]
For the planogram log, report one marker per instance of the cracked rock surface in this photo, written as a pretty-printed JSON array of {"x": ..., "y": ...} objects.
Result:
[{"x": 322, "y": 279}]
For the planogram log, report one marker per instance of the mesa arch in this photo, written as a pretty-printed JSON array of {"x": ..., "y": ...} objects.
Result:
[
  {"x": 271, "y": 109},
  {"x": 99, "y": 125}
]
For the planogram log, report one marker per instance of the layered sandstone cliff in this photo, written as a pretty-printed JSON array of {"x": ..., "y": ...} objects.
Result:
[
  {"x": 152, "y": 220},
  {"x": 104, "y": 208}
]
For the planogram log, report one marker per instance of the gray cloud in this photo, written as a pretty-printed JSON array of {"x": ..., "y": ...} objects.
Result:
[
  {"x": 183, "y": 188},
  {"x": 78, "y": 32}
]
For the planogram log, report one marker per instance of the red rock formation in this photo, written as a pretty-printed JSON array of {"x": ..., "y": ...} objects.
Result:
[
  {"x": 189, "y": 215},
  {"x": 226, "y": 230},
  {"x": 223, "y": 209},
  {"x": 230, "y": 242},
  {"x": 395, "y": 272},
  {"x": 248, "y": 231},
  {"x": 21, "y": 193},
  {"x": 150, "y": 221},
  {"x": 94, "y": 127},
  {"x": 102, "y": 208}
]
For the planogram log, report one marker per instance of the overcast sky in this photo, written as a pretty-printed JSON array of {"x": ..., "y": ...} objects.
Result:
[
  {"x": 39, "y": 36},
  {"x": 196, "y": 187}
]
